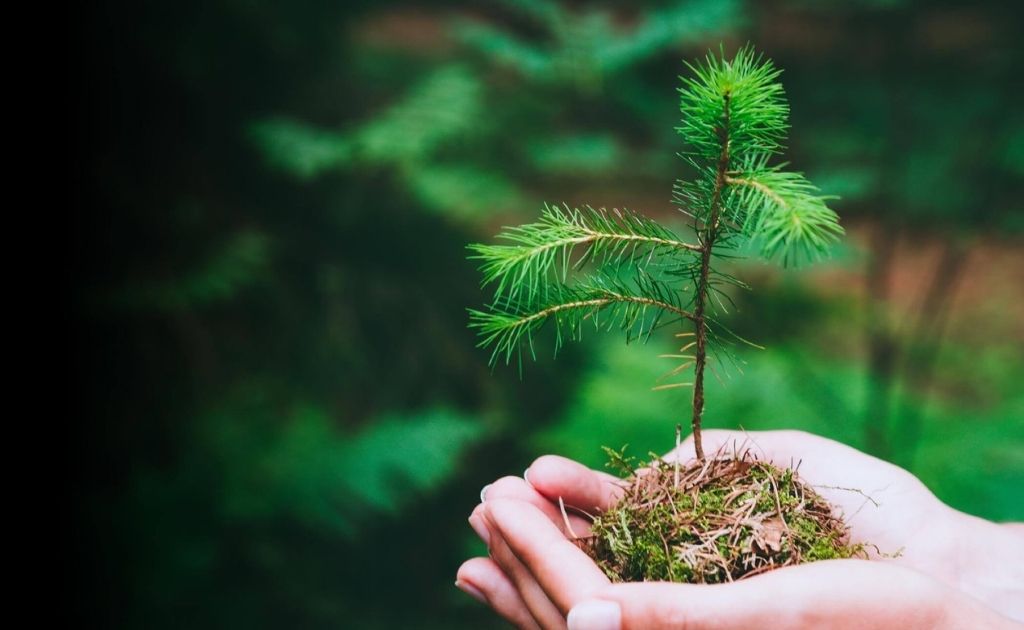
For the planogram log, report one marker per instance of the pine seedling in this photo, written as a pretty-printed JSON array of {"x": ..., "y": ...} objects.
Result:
[
  {"x": 581, "y": 267},
  {"x": 711, "y": 519}
]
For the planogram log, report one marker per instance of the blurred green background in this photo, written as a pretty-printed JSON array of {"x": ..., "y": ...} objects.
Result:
[{"x": 285, "y": 421}]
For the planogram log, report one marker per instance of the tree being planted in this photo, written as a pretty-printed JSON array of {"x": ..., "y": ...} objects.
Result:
[{"x": 712, "y": 519}]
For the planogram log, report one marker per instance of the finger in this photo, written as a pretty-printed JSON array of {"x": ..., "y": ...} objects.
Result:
[
  {"x": 579, "y": 486},
  {"x": 565, "y": 573},
  {"x": 533, "y": 596},
  {"x": 482, "y": 578},
  {"x": 518, "y": 489},
  {"x": 546, "y": 614},
  {"x": 833, "y": 594},
  {"x": 662, "y": 605}
]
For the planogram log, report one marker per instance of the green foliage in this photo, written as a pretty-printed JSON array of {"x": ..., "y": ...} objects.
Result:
[
  {"x": 442, "y": 107},
  {"x": 237, "y": 264},
  {"x": 810, "y": 392},
  {"x": 463, "y": 191},
  {"x": 578, "y": 153},
  {"x": 614, "y": 404},
  {"x": 621, "y": 288},
  {"x": 546, "y": 249},
  {"x": 292, "y": 497},
  {"x": 733, "y": 105},
  {"x": 783, "y": 211},
  {"x": 935, "y": 146},
  {"x": 585, "y": 47},
  {"x": 637, "y": 306},
  {"x": 351, "y": 250},
  {"x": 735, "y": 115},
  {"x": 1014, "y": 152},
  {"x": 621, "y": 270},
  {"x": 305, "y": 468},
  {"x": 410, "y": 138},
  {"x": 581, "y": 66},
  {"x": 301, "y": 150},
  {"x": 439, "y": 138}
]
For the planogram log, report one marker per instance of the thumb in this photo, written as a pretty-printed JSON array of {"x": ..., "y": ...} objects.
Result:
[
  {"x": 657, "y": 605},
  {"x": 634, "y": 606}
]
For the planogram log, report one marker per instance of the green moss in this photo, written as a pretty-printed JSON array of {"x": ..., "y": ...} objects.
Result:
[{"x": 720, "y": 523}]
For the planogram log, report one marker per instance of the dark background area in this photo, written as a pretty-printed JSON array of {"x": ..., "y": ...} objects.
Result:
[{"x": 283, "y": 419}]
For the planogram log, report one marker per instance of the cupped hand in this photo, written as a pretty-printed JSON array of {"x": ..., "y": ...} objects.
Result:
[{"x": 941, "y": 563}]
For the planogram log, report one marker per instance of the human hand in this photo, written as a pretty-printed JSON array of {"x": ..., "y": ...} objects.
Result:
[{"x": 946, "y": 555}]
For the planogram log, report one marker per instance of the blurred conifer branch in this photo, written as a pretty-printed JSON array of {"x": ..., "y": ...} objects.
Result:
[
  {"x": 586, "y": 47},
  {"x": 410, "y": 138},
  {"x": 239, "y": 262},
  {"x": 309, "y": 469}
]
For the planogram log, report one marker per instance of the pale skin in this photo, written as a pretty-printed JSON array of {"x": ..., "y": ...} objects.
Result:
[{"x": 953, "y": 570}]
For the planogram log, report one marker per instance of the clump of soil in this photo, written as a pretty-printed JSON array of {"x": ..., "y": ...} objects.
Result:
[{"x": 720, "y": 520}]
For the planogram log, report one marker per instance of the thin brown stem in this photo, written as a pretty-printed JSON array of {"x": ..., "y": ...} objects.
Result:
[{"x": 707, "y": 243}]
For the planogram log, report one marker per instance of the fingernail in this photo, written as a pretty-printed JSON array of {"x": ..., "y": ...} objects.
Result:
[
  {"x": 483, "y": 493},
  {"x": 526, "y": 477},
  {"x": 595, "y": 615},
  {"x": 481, "y": 530},
  {"x": 471, "y": 590}
]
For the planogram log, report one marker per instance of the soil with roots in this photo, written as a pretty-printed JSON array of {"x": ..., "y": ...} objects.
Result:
[{"x": 719, "y": 520}]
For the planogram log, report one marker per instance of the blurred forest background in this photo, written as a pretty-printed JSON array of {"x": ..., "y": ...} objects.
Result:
[{"x": 285, "y": 421}]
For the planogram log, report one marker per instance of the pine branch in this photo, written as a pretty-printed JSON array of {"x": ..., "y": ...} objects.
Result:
[
  {"x": 786, "y": 212},
  {"x": 445, "y": 105},
  {"x": 685, "y": 21},
  {"x": 300, "y": 149},
  {"x": 461, "y": 191},
  {"x": 545, "y": 252},
  {"x": 588, "y": 45},
  {"x": 504, "y": 49},
  {"x": 638, "y": 308},
  {"x": 756, "y": 104}
]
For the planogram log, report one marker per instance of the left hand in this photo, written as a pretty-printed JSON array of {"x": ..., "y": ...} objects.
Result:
[{"x": 534, "y": 574}]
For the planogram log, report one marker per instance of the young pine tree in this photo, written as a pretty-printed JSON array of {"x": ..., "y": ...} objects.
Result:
[{"x": 615, "y": 269}]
